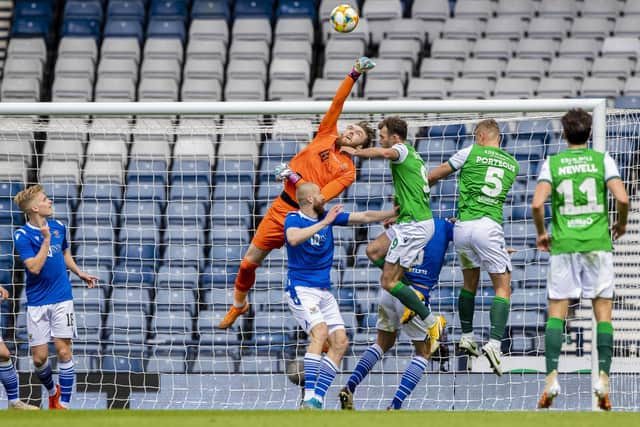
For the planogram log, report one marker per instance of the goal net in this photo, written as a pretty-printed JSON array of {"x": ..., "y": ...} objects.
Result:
[{"x": 162, "y": 209}]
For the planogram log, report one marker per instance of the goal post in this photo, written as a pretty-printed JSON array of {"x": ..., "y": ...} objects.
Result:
[{"x": 161, "y": 200}]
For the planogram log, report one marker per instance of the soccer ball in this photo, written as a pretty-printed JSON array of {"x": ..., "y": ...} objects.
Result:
[{"x": 344, "y": 18}]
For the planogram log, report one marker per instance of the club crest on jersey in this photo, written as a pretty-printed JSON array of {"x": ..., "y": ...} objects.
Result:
[{"x": 56, "y": 233}]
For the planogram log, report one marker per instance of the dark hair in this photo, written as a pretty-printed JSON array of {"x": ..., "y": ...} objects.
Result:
[
  {"x": 576, "y": 124},
  {"x": 395, "y": 126},
  {"x": 369, "y": 131}
]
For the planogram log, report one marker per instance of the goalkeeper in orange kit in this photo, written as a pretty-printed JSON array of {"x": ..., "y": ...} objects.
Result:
[{"x": 322, "y": 163}]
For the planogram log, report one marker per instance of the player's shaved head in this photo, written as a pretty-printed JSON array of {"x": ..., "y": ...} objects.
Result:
[
  {"x": 25, "y": 198},
  {"x": 304, "y": 191}
]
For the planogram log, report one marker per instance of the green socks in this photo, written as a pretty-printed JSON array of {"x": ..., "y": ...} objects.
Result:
[
  {"x": 498, "y": 316},
  {"x": 605, "y": 345},
  {"x": 466, "y": 307},
  {"x": 553, "y": 342},
  {"x": 409, "y": 299}
]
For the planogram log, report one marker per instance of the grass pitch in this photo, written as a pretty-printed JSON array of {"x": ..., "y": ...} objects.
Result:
[{"x": 184, "y": 418}]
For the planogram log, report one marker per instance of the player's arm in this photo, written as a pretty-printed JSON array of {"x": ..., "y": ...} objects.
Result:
[
  {"x": 330, "y": 120},
  {"x": 372, "y": 153},
  {"x": 616, "y": 187},
  {"x": 34, "y": 263},
  {"x": 367, "y": 217},
  {"x": 4, "y": 294},
  {"x": 298, "y": 235},
  {"x": 333, "y": 188},
  {"x": 540, "y": 196},
  {"x": 442, "y": 171},
  {"x": 73, "y": 267}
]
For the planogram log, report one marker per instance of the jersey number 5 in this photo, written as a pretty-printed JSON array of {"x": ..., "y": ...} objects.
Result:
[{"x": 494, "y": 177}]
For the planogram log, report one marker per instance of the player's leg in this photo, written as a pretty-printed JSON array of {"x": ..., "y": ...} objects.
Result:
[
  {"x": 9, "y": 379},
  {"x": 412, "y": 374},
  {"x": 498, "y": 316},
  {"x": 39, "y": 330},
  {"x": 466, "y": 309},
  {"x": 377, "y": 250},
  {"x": 602, "y": 308},
  {"x": 406, "y": 243},
  {"x": 330, "y": 363},
  {"x": 63, "y": 329},
  {"x": 563, "y": 284},
  {"x": 552, "y": 347},
  {"x": 387, "y": 326},
  {"x": 318, "y": 335},
  {"x": 597, "y": 278}
]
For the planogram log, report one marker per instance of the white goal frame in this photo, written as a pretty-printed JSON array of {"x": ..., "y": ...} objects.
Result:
[{"x": 597, "y": 106}]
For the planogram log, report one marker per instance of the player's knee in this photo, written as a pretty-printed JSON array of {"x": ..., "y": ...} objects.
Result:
[
  {"x": 4, "y": 353},
  {"x": 320, "y": 333},
  {"x": 341, "y": 343},
  {"x": 374, "y": 251},
  {"x": 39, "y": 360}
]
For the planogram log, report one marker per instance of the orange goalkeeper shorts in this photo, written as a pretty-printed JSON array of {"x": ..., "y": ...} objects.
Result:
[{"x": 270, "y": 232}]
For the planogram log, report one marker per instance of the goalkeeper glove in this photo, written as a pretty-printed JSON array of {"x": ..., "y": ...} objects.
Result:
[
  {"x": 283, "y": 171},
  {"x": 362, "y": 65}
]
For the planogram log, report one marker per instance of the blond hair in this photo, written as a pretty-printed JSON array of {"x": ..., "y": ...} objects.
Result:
[
  {"x": 489, "y": 126},
  {"x": 24, "y": 198}
]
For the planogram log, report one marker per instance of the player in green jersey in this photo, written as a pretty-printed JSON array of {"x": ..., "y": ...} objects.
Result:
[
  {"x": 486, "y": 175},
  {"x": 414, "y": 225},
  {"x": 581, "y": 262}
]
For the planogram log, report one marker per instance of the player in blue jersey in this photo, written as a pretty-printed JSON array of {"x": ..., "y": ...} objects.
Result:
[
  {"x": 309, "y": 241},
  {"x": 8, "y": 374},
  {"x": 394, "y": 317},
  {"x": 43, "y": 247}
]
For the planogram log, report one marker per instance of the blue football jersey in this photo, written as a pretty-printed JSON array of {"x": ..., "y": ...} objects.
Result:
[
  {"x": 425, "y": 270},
  {"x": 52, "y": 285},
  {"x": 309, "y": 263}
]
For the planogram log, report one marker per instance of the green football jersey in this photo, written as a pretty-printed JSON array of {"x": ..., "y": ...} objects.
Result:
[
  {"x": 486, "y": 175},
  {"x": 579, "y": 213},
  {"x": 410, "y": 185}
]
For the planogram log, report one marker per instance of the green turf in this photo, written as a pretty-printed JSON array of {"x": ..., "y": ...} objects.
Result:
[{"x": 315, "y": 419}]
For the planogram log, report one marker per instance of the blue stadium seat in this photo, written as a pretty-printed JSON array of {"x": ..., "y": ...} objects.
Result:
[
  {"x": 125, "y": 327},
  {"x": 76, "y": 27},
  {"x": 165, "y": 28},
  {"x": 102, "y": 191},
  {"x": 523, "y": 149},
  {"x": 267, "y": 192},
  {"x": 540, "y": 130},
  {"x": 125, "y": 363},
  {"x": 266, "y": 172},
  {"x": 346, "y": 299},
  {"x": 96, "y": 212},
  {"x": 124, "y": 28},
  {"x": 234, "y": 213},
  {"x": 528, "y": 169},
  {"x": 133, "y": 10},
  {"x": 207, "y": 9},
  {"x": 167, "y": 359},
  {"x": 229, "y": 236},
  {"x": 228, "y": 254},
  {"x": 523, "y": 212},
  {"x": 437, "y": 149},
  {"x": 91, "y": 233},
  {"x": 253, "y": 9},
  {"x": 146, "y": 191},
  {"x": 9, "y": 189},
  {"x": 176, "y": 255},
  {"x": 443, "y": 298},
  {"x": 374, "y": 170},
  {"x": 446, "y": 188},
  {"x": 131, "y": 299},
  {"x": 147, "y": 170},
  {"x": 177, "y": 278},
  {"x": 9, "y": 212},
  {"x": 226, "y": 191},
  {"x": 527, "y": 319},
  {"x": 141, "y": 212},
  {"x": 171, "y": 327},
  {"x": 518, "y": 233},
  {"x": 88, "y": 325},
  {"x": 136, "y": 276},
  {"x": 219, "y": 276},
  {"x": 39, "y": 9},
  {"x": 444, "y": 208},
  {"x": 529, "y": 298},
  {"x": 297, "y": 9},
  {"x": 191, "y": 170},
  {"x": 361, "y": 277},
  {"x": 144, "y": 255},
  {"x": 183, "y": 235},
  {"x": 6, "y": 254},
  {"x": 535, "y": 276},
  {"x": 30, "y": 27},
  {"x": 234, "y": 171},
  {"x": 83, "y": 9},
  {"x": 369, "y": 195},
  {"x": 176, "y": 300},
  {"x": 450, "y": 276},
  {"x": 59, "y": 191},
  {"x": 632, "y": 102},
  {"x": 189, "y": 213},
  {"x": 89, "y": 299},
  {"x": 6, "y": 232},
  {"x": 191, "y": 190},
  {"x": 95, "y": 253},
  {"x": 168, "y": 9},
  {"x": 450, "y": 131},
  {"x": 134, "y": 233},
  {"x": 280, "y": 150}
]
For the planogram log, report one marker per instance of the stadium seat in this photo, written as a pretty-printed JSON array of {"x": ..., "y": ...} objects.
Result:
[
  {"x": 515, "y": 88},
  {"x": 298, "y": 29},
  {"x": 253, "y": 9},
  {"x": 483, "y": 68},
  {"x": 471, "y": 88},
  {"x": 95, "y": 253},
  {"x": 159, "y": 27},
  {"x": 27, "y": 48},
  {"x": 463, "y": 28},
  {"x": 430, "y": 9},
  {"x": 177, "y": 278},
  {"x": 167, "y": 359},
  {"x": 493, "y": 49},
  {"x": 548, "y": 28},
  {"x": 566, "y": 9},
  {"x": 23, "y": 68},
  {"x": 558, "y": 88},
  {"x": 252, "y": 29},
  {"x": 579, "y": 48},
  {"x": 222, "y": 255},
  {"x": 199, "y": 68},
  {"x": 20, "y": 89},
  {"x": 383, "y": 89},
  {"x": 608, "y": 67},
  {"x": 132, "y": 276},
  {"x": 593, "y": 28},
  {"x": 239, "y": 49},
  {"x": 537, "y": 48},
  {"x": 601, "y": 9},
  {"x": 428, "y": 88},
  {"x": 474, "y": 9},
  {"x": 119, "y": 28},
  {"x": 506, "y": 27},
  {"x": 569, "y": 67}
]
